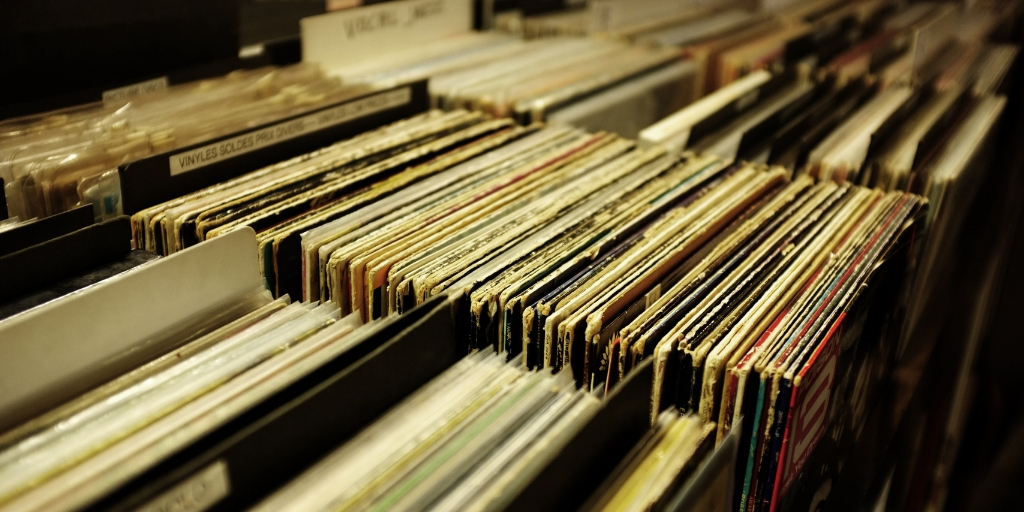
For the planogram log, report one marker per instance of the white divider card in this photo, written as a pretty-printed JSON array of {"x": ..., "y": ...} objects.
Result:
[
  {"x": 342, "y": 38},
  {"x": 614, "y": 15},
  {"x": 46, "y": 352}
]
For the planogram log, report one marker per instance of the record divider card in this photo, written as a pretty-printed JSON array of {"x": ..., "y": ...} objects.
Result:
[
  {"x": 63, "y": 348},
  {"x": 45, "y": 263},
  {"x": 338, "y": 39},
  {"x": 165, "y": 176}
]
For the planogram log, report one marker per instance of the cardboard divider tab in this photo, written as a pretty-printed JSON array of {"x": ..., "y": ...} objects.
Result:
[
  {"x": 344, "y": 38},
  {"x": 61, "y": 349},
  {"x": 163, "y": 177}
]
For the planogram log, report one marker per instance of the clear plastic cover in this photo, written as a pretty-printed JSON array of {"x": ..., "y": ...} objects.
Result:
[{"x": 58, "y": 160}]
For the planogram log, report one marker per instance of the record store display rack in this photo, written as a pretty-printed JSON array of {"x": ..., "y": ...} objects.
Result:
[{"x": 604, "y": 255}]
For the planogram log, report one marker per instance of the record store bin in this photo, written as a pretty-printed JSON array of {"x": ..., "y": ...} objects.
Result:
[{"x": 537, "y": 255}]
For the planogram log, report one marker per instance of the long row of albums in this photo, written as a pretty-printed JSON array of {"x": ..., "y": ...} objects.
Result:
[
  {"x": 94, "y": 153},
  {"x": 668, "y": 270}
]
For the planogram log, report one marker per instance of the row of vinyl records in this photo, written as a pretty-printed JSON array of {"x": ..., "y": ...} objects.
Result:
[
  {"x": 256, "y": 392},
  {"x": 760, "y": 303},
  {"x": 89, "y": 154},
  {"x": 494, "y": 314}
]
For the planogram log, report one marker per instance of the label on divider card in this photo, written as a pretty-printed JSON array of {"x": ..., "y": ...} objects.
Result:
[
  {"x": 130, "y": 91},
  {"x": 339, "y": 39},
  {"x": 200, "y": 157}
]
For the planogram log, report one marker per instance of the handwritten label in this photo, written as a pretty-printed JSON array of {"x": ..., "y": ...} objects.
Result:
[
  {"x": 196, "y": 494},
  {"x": 339, "y": 39},
  {"x": 130, "y": 91},
  {"x": 613, "y": 15},
  {"x": 218, "y": 151},
  {"x": 366, "y": 24}
]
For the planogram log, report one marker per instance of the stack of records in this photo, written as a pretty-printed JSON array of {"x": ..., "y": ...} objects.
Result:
[
  {"x": 353, "y": 182},
  {"x": 156, "y": 408},
  {"x": 859, "y": 131},
  {"x": 210, "y": 355},
  {"x": 541, "y": 79},
  {"x": 53, "y": 162},
  {"x": 654, "y": 475},
  {"x": 844, "y": 39},
  {"x": 471, "y": 439}
]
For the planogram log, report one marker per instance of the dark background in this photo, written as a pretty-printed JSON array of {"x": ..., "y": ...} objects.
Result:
[{"x": 58, "y": 53}]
